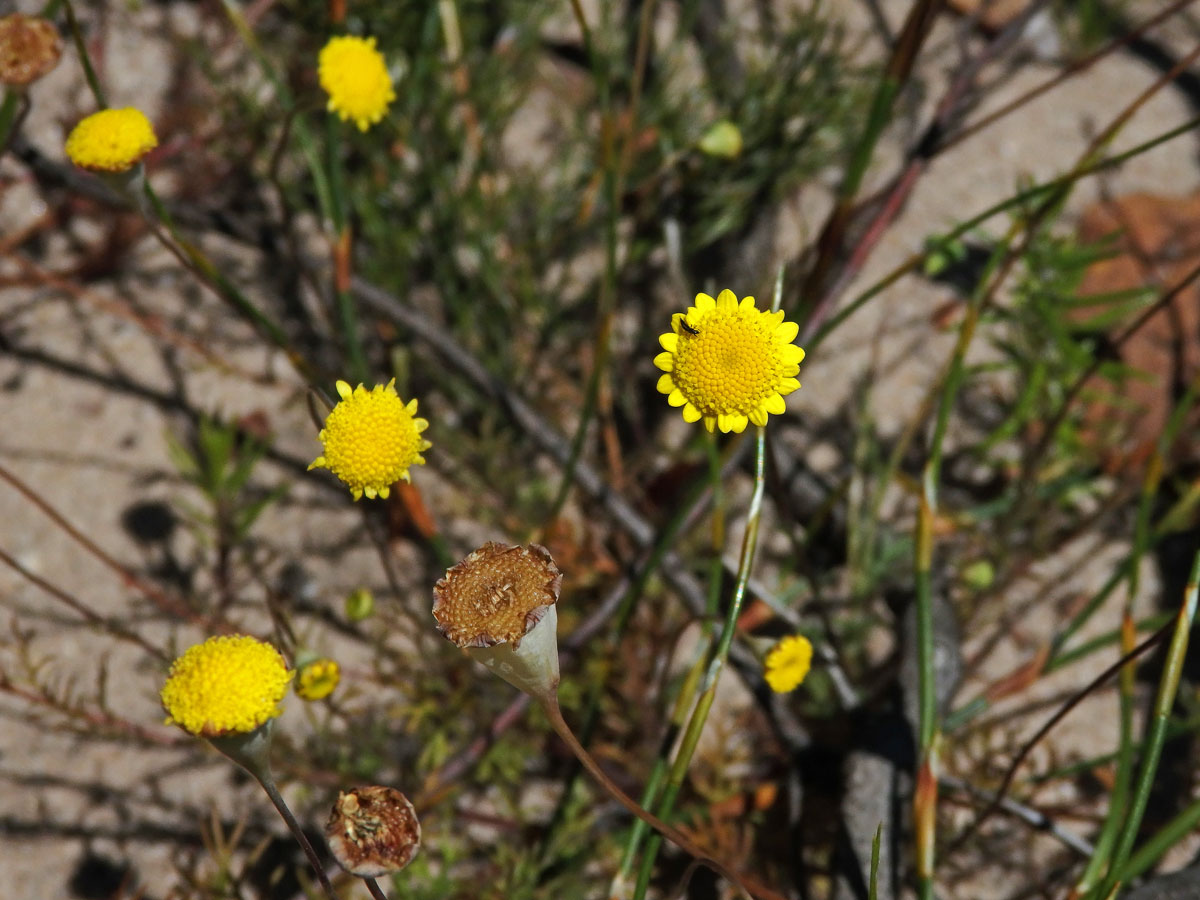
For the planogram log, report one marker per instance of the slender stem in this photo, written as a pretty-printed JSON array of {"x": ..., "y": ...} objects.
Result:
[
  {"x": 656, "y": 796},
  {"x": 268, "y": 785},
  {"x": 375, "y": 889},
  {"x": 1168, "y": 687},
  {"x": 342, "y": 245},
  {"x": 85, "y": 59},
  {"x": 563, "y": 730},
  {"x": 1016, "y": 201},
  {"x": 1163, "y": 840},
  {"x": 695, "y": 726}
]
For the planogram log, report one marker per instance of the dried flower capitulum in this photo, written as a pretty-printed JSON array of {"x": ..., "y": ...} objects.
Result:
[
  {"x": 499, "y": 605},
  {"x": 373, "y": 831},
  {"x": 29, "y": 48}
]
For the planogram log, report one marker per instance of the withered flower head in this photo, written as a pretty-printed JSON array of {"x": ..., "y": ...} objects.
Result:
[
  {"x": 496, "y": 595},
  {"x": 373, "y": 831},
  {"x": 499, "y": 604},
  {"x": 29, "y": 48}
]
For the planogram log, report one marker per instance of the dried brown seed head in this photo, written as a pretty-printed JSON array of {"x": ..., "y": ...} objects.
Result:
[
  {"x": 29, "y": 48},
  {"x": 496, "y": 595},
  {"x": 372, "y": 831}
]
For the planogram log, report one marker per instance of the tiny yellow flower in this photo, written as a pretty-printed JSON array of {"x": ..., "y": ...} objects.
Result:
[
  {"x": 371, "y": 438},
  {"x": 355, "y": 76},
  {"x": 728, "y": 363},
  {"x": 788, "y": 663},
  {"x": 228, "y": 685},
  {"x": 317, "y": 679},
  {"x": 112, "y": 140}
]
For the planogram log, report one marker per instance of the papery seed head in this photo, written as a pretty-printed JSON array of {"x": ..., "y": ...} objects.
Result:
[
  {"x": 373, "y": 831},
  {"x": 496, "y": 595}
]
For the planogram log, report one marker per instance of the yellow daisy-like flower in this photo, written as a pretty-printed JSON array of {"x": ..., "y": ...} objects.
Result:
[
  {"x": 355, "y": 76},
  {"x": 112, "y": 140},
  {"x": 728, "y": 363},
  {"x": 788, "y": 663},
  {"x": 371, "y": 438},
  {"x": 317, "y": 679},
  {"x": 227, "y": 685}
]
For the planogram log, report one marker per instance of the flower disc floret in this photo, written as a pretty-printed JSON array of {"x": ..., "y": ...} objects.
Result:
[
  {"x": 728, "y": 363},
  {"x": 788, "y": 663},
  {"x": 112, "y": 140},
  {"x": 371, "y": 438},
  {"x": 354, "y": 75},
  {"x": 228, "y": 685}
]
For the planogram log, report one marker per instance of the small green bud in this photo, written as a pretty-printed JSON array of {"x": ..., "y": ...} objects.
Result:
[
  {"x": 360, "y": 603},
  {"x": 723, "y": 139},
  {"x": 979, "y": 575}
]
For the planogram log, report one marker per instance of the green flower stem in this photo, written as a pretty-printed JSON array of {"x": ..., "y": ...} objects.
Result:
[
  {"x": 652, "y": 562},
  {"x": 550, "y": 706},
  {"x": 268, "y": 785},
  {"x": 695, "y": 726},
  {"x": 1099, "y": 860},
  {"x": 615, "y": 160},
  {"x": 928, "y": 727},
  {"x": 342, "y": 255},
  {"x": 251, "y": 751},
  {"x": 1117, "y": 811},
  {"x": 156, "y": 212},
  {"x": 1168, "y": 687},
  {"x": 12, "y": 113},
  {"x": 639, "y": 834},
  {"x": 1163, "y": 840},
  {"x": 85, "y": 60},
  {"x": 1022, "y": 199}
]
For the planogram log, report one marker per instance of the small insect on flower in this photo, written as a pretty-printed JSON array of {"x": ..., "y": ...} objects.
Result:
[{"x": 728, "y": 363}]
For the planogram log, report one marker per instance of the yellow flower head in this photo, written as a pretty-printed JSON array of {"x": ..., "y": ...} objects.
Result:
[
  {"x": 317, "y": 679},
  {"x": 371, "y": 438},
  {"x": 355, "y": 76},
  {"x": 228, "y": 685},
  {"x": 728, "y": 363},
  {"x": 788, "y": 663},
  {"x": 112, "y": 140}
]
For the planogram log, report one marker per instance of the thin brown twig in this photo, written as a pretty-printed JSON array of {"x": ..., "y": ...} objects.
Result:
[
  {"x": 1065, "y": 75},
  {"x": 1059, "y": 715},
  {"x": 160, "y": 598},
  {"x": 155, "y": 326},
  {"x": 90, "y": 615},
  {"x": 563, "y": 730},
  {"x": 933, "y": 143},
  {"x": 95, "y": 720}
]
